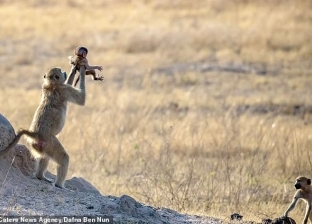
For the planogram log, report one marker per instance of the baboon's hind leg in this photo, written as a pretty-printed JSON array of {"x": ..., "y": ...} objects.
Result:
[
  {"x": 89, "y": 72},
  {"x": 59, "y": 155},
  {"x": 41, "y": 167}
]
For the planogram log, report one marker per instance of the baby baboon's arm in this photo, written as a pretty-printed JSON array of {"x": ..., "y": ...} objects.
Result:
[
  {"x": 90, "y": 67},
  {"x": 94, "y": 76},
  {"x": 93, "y": 67}
]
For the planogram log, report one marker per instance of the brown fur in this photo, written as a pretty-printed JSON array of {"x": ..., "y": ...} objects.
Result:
[
  {"x": 49, "y": 120},
  {"x": 304, "y": 192}
]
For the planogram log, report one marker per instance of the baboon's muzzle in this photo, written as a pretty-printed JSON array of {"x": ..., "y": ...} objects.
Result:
[{"x": 297, "y": 185}]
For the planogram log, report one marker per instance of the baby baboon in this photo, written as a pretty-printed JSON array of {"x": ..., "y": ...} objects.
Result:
[
  {"x": 49, "y": 120},
  {"x": 304, "y": 192},
  {"x": 80, "y": 59}
]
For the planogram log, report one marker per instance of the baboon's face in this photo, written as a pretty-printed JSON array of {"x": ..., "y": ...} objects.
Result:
[
  {"x": 55, "y": 75},
  {"x": 82, "y": 53},
  {"x": 302, "y": 182}
]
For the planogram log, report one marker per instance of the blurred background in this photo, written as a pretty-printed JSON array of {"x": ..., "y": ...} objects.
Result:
[{"x": 205, "y": 106}]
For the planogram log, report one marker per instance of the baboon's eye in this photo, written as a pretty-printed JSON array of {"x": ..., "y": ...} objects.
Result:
[{"x": 57, "y": 77}]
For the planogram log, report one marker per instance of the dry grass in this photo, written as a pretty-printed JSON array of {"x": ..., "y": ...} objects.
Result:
[{"x": 162, "y": 127}]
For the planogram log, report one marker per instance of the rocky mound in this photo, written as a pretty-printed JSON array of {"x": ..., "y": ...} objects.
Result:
[{"x": 7, "y": 133}]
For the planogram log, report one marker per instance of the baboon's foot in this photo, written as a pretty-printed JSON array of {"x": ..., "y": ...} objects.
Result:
[
  {"x": 42, "y": 177},
  {"x": 60, "y": 186}
]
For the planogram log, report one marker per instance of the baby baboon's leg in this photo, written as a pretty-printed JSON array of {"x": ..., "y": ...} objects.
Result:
[
  {"x": 91, "y": 72},
  {"x": 88, "y": 72},
  {"x": 94, "y": 76},
  {"x": 41, "y": 167},
  {"x": 59, "y": 155}
]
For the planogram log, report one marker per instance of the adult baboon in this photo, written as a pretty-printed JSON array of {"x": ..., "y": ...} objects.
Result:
[
  {"x": 304, "y": 192},
  {"x": 49, "y": 120}
]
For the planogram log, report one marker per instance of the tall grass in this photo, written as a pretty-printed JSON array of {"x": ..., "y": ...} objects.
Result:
[{"x": 160, "y": 127}]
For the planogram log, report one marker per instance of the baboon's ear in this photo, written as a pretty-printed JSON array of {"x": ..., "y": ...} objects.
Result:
[{"x": 309, "y": 181}]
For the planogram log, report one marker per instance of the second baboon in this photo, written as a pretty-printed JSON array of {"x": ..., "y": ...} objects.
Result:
[
  {"x": 304, "y": 192},
  {"x": 49, "y": 120}
]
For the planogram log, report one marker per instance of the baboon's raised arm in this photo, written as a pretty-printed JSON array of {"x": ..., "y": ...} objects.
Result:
[
  {"x": 77, "y": 96},
  {"x": 71, "y": 76}
]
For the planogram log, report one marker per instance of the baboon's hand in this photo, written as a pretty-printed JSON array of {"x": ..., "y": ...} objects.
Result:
[{"x": 100, "y": 68}]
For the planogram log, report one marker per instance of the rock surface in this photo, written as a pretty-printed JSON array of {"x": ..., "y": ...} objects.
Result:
[{"x": 7, "y": 132}]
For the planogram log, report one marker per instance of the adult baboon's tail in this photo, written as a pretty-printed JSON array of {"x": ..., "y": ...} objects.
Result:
[{"x": 17, "y": 138}]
